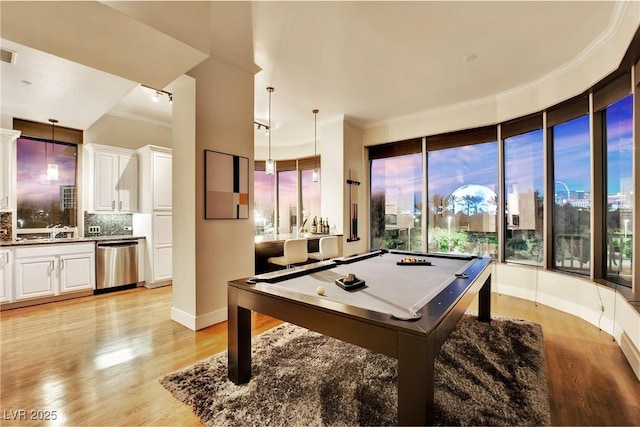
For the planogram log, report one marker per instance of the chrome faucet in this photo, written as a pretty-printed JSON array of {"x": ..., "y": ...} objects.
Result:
[
  {"x": 55, "y": 229},
  {"x": 58, "y": 229}
]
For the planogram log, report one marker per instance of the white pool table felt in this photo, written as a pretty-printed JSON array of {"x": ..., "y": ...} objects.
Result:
[{"x": 399, "y": 290}]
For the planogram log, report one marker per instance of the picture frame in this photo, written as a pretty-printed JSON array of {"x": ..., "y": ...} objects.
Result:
[{"x": 226, "y": 186}]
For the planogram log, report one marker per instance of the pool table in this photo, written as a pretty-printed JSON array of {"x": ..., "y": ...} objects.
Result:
[{"x": 404, "y": 305}]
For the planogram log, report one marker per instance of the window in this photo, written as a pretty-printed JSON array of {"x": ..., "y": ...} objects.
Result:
[
  {"x": 618, "y": 136},
  {"x": 462, "y": 189},
  {"x": 285, "y": 180},
  {"x": 396, "y": 202},
  {"x": 264, "y": 203},
  {"x": 44, "y": 197},
  {"x": 287, "y": 201},
  {"x": 572, "y": 195},
  {"x": 524, "y": 188},
  {"x": 310, "y": 198}
]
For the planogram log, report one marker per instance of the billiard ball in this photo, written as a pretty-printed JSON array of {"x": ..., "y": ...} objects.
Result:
[{"x": 320, "y": 290}]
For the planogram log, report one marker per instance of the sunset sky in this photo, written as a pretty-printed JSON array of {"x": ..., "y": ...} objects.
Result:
[{"x": 32, "y": 163}]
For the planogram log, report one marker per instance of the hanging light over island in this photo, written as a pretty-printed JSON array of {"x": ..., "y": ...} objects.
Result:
[
  {"x": 269, "y": 165},
  {"x": 316, "y": 172}
]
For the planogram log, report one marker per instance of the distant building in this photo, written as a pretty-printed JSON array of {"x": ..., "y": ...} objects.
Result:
[{"x": 67, "y": 197}]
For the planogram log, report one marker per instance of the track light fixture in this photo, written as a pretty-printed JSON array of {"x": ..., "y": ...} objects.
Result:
[
  {"x": 261, "y": 126},
  {"x": 158, "y": 93}
]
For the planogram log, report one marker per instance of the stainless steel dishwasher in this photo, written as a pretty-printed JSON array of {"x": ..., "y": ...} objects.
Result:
[{"x": 116, "y": 263}]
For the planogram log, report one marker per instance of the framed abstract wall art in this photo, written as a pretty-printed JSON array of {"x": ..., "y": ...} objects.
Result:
[{"x": 226, "y": 186}]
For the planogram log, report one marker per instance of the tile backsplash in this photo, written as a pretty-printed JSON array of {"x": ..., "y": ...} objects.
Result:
[
  {"x": 5, "y": 226},
  {"x": 110, "y": 224}
]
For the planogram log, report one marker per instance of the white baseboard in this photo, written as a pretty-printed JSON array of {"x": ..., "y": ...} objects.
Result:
[
  {"x": 153, "y": 285},
  {"x": 183, "y": 318},
  {"x": 211, "y": 318},
  {"x": 631, "y": 353},
  {"x": 196, "y": 323}
]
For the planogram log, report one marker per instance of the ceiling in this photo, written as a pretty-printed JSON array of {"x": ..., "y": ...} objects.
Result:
[{"x": 368, "y": 62}]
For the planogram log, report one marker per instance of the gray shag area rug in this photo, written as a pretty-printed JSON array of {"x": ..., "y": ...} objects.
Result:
[{"x": 486, "y": 374}]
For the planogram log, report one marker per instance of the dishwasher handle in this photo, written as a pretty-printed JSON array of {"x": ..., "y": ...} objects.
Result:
[{"x": 116, "y": 244}]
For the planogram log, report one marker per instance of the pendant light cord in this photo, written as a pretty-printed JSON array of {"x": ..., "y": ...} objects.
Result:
[
  {"x": 270, "y": 90},
  {"x": 315, "y": 138},
  {"x": 53, "y": 141}
]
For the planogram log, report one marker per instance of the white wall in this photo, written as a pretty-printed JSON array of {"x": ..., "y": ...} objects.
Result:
[
  {"x": 183, "y": 306},
  {"x": 355, "y": 162},
  {"x": 224, "y": 248},
  {"x": 594, "y": 303},
  {"x": 129, "y": 133},
  {"x": 332, "y": 185}
]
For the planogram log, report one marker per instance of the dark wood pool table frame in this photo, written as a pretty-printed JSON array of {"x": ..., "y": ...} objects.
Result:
[{"x": 414, "y": 344}]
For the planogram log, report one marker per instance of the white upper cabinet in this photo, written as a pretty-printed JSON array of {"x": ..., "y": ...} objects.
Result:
[
  {"x": 8, "y": 168},
  {"x": 113, "y": 176},
  {"x": 155, "y": 178}
]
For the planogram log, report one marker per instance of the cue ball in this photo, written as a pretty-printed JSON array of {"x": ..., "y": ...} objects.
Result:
[{"x": 320, "y": 290}]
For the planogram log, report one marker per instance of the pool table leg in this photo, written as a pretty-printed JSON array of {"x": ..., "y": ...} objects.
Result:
[
  {"x": 484, "y": 301},
  {"x": 239, "y": 338},
  {"x": 416, "y": 363}
]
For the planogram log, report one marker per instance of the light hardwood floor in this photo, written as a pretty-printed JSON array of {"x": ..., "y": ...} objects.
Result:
[{"x": 97, "y": 361}]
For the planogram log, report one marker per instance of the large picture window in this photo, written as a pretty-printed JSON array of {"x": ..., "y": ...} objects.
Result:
[
  {"x": 46, "y": 183},
  {"x": 264, "y": 202},
  {"x": 396, "y": 202},
  {"x": 572, "y": 195},
  {"x": 310, "y": 198},
  {"x": 462, "y": 189},
  {"x": 618, "y": 136},
  {"x": 287, "y": 201},
  {"x": 524, "y": 188}
]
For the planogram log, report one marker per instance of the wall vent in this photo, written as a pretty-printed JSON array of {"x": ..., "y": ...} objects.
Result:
[{"x": 8, "y": 56}]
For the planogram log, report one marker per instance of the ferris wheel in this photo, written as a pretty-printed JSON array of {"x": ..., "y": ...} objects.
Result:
[{"x": 557, "y": 197}]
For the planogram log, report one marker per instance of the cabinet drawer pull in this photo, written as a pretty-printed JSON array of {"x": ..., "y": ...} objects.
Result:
[
  {"x": 113, "y": 204},
  {"x": 120, "y": 206},
  {"x": 61, "y": 264}
]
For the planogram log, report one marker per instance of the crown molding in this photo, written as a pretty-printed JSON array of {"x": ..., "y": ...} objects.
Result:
[{"x": 131, "y": 116}]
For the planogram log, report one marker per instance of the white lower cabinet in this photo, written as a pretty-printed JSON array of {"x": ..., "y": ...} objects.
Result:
[
  {"x": 162, "y": 247},
  {"x": 6, "y": 260},
  {"x": 77, "y": 272},
  {"x": 157, "y": 229},
  {"x": 50, "y": 270},
  {"x": 35, "y": 277}
]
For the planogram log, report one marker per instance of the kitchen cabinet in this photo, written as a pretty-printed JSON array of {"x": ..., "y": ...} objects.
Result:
[
  {"x": 113, "y": 177},
  {"x": 162, "y": 247},
  {"x": 158, "y": 263},
  {"x": 6, "y": 260},
  {"x": 50, "y": 270},
  {"x": 8, "y": 168},
  {"x": 155, "y": 177},
  {"x": 155, "y": 218}
]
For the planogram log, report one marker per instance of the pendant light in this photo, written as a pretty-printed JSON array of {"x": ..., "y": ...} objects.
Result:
[
  {"x": 269, "y": 165},
  {"x": 52, "y": 168},
  {"x": 316, "y": 172}
]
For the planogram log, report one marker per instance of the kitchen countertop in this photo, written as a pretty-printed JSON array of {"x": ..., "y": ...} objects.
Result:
[{"x": 28, "y": 242}]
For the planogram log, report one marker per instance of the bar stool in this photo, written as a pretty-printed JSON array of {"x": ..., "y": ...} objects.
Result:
[
  {"x": 328, "y": 248},
  {"x": 295, "y": 251}
]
